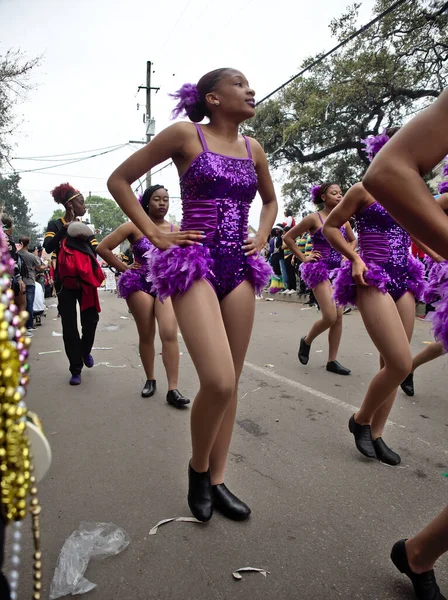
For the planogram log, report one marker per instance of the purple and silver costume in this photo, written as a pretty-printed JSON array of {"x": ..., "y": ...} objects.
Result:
[
  {"x": 436, "y": 293},
  {"x": 316, "y": 272},
  {"x": 136, "y": 280},
  {"x": 384, "y": 247},
  {"x": 216, "y": 192}
]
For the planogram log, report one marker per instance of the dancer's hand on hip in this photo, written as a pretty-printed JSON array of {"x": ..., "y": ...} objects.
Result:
[
  {"x": 163, "y": 241},
  {"x": 359, "y": 268},
  {"x": 253, "y": 245},
  {"x": 313, "y": 256}
]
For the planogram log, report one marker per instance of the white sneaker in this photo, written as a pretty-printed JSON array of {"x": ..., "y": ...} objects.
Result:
[{"x": 291, "y": 292}]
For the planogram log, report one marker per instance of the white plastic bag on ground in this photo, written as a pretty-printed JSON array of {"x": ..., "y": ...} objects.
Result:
[
  {"x": 39, "y": 300},
  {"x": 93, "y": 540}
]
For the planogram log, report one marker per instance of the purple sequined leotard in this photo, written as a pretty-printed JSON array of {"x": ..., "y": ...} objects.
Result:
[
  {"x": 136, "y": 280},
  {"x": 320, "y": 270},
  {"x": 216, "y": 192},
  {"x": 384, "y": 247}
]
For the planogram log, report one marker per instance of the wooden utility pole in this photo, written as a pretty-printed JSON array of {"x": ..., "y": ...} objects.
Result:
[{"x": 148, "y": 120}]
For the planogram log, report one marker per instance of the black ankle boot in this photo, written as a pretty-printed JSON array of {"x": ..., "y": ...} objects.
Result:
[
  {"x": 363, "y": 438},
  {"x": 385, "y": 454},
  {"x": 408, "y": 385},
  {"x": 200, "y": 494},
  {"x": 335, "y": 367},
  {"x": 149, "y": 389},
  {"x": 175, "y": 398},
  {"x": 228, "y": 504},
  {"x": 304, "y": 351},
  {"x": 425, "y": 585}
]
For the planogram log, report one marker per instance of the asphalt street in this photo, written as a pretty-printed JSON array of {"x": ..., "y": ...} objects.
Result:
[{"x": 324, "y": 518}]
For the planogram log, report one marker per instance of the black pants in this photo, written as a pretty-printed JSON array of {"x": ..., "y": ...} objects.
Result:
[
  {"x": 76, "y": 348},
  {"x": 30, "y": 294},
  {"x": 4, "y": 588},
  {"x": 291, "y": 273}
]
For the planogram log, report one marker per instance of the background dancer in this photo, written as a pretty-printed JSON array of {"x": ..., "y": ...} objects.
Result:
[
  {"x": 212, "y": 285},
  {"x": 432, "y": 294},
  {"x": 383, "y": 280},
  {"x": 78, "y": 349},
  {"x": 135, "y": 287},
  {"x": 316, "y": 271}
]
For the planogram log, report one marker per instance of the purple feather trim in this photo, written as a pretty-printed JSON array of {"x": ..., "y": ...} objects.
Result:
[
  {"x": 188, "y": 96},
  {"x": 443, "y": 187},
  {"x": 174, "y": 271},
  {"x": 133, "y": 280},
  {"x": 315, "y": 193},
  {"x": 445, "y": 168},
  {"x": 431, "y": 292},
  {"x": 259, "y": 272},
  {"x": 440, "y": 318},
  {"x": 374, "y": 143},
  {"x": 416, "y": 281},
  {"x": 314, "y": 273},
  {"x": 344, "y": 288}
]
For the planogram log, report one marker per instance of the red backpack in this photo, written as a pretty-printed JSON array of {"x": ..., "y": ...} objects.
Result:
[{"x": 76, "y": 268}]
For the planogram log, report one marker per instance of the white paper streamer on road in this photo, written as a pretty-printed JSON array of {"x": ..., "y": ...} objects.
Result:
[
  {"x": 176, "y": 519},
  {"x": 50, "y": 352},
  {"x": 95, "y": 348},
  {"x": 107, "y": 364},
  {"x": 56, "y": 334},
  {"x": 237, "y": 574}
]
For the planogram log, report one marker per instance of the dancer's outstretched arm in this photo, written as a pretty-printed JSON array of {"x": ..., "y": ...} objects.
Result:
[
  {"x": 395, "y": 176},
  {"x": 167, "y": 144}
]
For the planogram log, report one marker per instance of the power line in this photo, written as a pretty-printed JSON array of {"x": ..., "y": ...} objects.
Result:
[
  {"x": 64, "y": 154},
  {"x": 168, "y": 37},
  {"x": 327, "y": 54},
  {"x": 71, "y": 161}
]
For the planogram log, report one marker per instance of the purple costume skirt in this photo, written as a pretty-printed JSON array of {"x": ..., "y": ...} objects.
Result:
[
  {"x": 135, "y": 280},
  {"x": 314, "y": 273},
  {"x": 436, "y": 293},
  {"x": 386, "y": 277},
  {"x": 174, "y": 271}
]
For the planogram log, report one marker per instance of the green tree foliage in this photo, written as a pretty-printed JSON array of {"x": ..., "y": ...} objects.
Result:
[
  {"x": 15, "y": 205},
  {"x": 14, "y": 73},
  {"x": 106, "y": 215},
  {"x": 313, "y": 128}
]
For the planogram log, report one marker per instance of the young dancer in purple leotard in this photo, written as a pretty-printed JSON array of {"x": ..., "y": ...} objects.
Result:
[
  {"x": 383, "y": 280},
  {"x": 210, "y": 268},
  {"x": 134, "y": 285},
  {"x": 316, "y": 272}
]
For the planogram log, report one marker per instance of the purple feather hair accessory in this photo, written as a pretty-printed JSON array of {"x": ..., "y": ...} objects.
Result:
[
  {"x": 443, "y": 187},
  {"x": 315, "y": 193},
  {"x": 374, "y": 143},
  {"x": 188, "y": 96}
]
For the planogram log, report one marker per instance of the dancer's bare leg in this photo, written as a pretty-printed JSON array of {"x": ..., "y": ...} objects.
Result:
[
  {"x": 199, "y": 316},
  {"x": 406, "y": 309},
  {"x": 334, "y": 336},
  {"x": 383, "y": 323},
  {"x": 238, "y": 309},
  {"x": 167, "y": 323},
  {"x": 323, "y": 293},
  {"x": 429, "y": 544},
  {"x": 141, "y": 306},
  {"x": 431, "y": 352}
]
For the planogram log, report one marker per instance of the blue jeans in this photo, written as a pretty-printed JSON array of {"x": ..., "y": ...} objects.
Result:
[
  {"x": 30, "y": 293},
  {"x": 284, "y": 273}
]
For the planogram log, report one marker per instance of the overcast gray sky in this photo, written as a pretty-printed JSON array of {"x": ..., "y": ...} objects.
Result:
[{"x": 94, "y": 55}]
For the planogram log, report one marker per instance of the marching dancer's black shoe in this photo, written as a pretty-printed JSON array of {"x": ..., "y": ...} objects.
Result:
[
  {"x": 335, "y": 367},
  {"x": 363, "y": 438},
  {"x": 385, "y": 454},
  {"x": 149, "y": 389},
  {"x": 425, "y": 585},
  {"x": 304, "y": 351},
  {"x": 228, "y": 504},
  {"x": 200, "y": 494},
  {"x": 175, "y": 398},
  {"x": 408, "y": 385}
]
